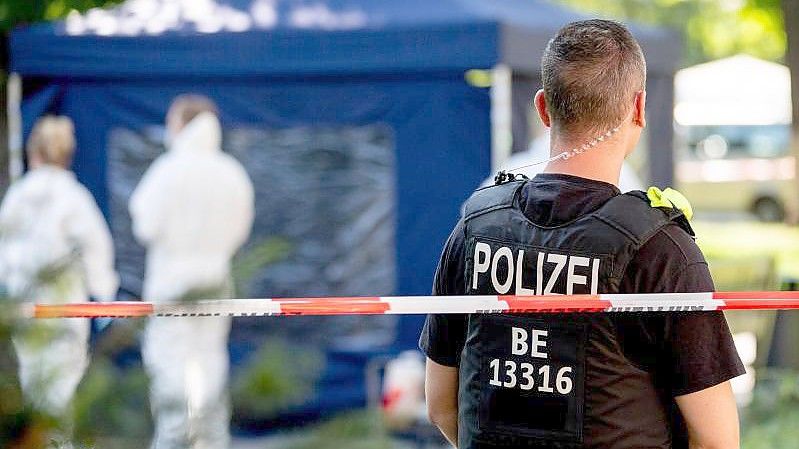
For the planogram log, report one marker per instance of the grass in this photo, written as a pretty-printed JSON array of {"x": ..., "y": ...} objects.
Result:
[
  {"x": 758, "y": 256},
  {"x": 277, "y": 376},
  {"x": 359, "y": 429},
  {"x": 771, "y": 420},
  {"x": 750, "y": 256},
  {"x": 729, "y": 243}
]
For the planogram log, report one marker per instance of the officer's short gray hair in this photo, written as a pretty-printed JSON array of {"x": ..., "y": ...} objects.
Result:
[
  {"x": 52, "y": 140},
  {"x": 591, "y": 71}
]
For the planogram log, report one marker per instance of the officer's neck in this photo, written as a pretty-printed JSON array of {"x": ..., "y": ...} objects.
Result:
[{"x": 602, "y": 162}]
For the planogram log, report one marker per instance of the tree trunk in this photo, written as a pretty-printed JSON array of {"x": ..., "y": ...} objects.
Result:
[
  {"x": 4, "y": 156},
  {"x": 784, "y": 352},
  {"x": 790, "y": 13}
]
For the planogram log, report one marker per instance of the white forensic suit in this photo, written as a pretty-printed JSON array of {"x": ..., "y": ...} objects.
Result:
[
  {"x": 193, "y": 209},
  {"x": 55, "y": 247}
]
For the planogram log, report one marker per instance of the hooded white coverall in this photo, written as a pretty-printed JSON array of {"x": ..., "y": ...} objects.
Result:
[
  {"x": 193, "y": 209},
  {"x": 55, "y": 247}
]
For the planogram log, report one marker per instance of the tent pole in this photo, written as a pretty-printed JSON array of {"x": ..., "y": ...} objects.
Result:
[
  {"x": 501, "y": 116},
  {"x": 15, "y": 159}
]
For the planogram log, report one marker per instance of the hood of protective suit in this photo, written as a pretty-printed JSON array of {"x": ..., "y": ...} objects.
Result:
[{"x": 203, "y": 134}]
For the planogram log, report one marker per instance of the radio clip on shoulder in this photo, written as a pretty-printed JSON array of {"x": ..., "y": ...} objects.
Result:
[{"x": 503, "y": 177}]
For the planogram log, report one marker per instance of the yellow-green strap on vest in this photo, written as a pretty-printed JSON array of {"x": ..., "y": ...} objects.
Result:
[{"x": 670, "y": 198}]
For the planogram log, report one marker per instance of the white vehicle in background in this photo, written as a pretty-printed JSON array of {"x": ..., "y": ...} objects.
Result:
[{"x": 733, "y": 121}]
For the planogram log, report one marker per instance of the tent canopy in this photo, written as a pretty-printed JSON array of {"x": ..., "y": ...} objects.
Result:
[
  {"x": 739, "y": 90},
  {"x": 293, "y": 37}
]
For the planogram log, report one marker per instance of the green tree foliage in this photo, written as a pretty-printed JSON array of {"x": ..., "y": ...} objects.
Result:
[
  {"x": 14, "y": 12},
  {"x": 711, "y": 29},
  {"x": 19, "y": 12}
]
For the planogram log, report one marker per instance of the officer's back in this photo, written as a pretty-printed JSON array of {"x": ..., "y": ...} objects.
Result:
[{"x": 579, "y": 380}]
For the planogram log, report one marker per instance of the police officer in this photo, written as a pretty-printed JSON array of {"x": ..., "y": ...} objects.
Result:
[{"x": 658, "y": 380}]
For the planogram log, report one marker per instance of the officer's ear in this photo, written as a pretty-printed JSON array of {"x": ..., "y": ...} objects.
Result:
[
  {"x": 639, "y": 112},
  {"x": 541, "y": 106}
]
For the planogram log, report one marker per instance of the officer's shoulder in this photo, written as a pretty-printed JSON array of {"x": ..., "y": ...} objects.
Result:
[
  {"x": 457, "y": 238},
  {"x": 492, "y": 197},
  {"x": 231, "y": 163},
  {"x": 80, "y": 191},
  {"x": 164, "y": 162},
  {"x": 673, "y": 241},
  {"x": 641, "y": 215}
]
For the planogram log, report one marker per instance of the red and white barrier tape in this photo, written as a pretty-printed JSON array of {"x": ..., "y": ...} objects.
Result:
[{"x": 378, "y": 305}]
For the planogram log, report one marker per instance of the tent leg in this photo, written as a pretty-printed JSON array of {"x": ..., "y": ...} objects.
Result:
[
  {"x": 14, "y": 114},
  {"x": 501, "y": 116}
]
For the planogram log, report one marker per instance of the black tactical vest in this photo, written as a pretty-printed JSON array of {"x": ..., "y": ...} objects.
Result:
[{"x": 555, "y": 380}]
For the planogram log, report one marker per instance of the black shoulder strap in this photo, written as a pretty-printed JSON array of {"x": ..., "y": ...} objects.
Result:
[
  {"x": 632, "y": 214},
  {"x": 491, "y": 198}
]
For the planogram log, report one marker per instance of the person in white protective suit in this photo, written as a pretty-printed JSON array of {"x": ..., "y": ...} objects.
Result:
[
  {"x": 55, "y": 247},
  {"x": 193, "y": 209}
]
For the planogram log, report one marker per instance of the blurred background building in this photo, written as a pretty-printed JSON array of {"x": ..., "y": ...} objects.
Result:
[{"x": 733, "y": 121}]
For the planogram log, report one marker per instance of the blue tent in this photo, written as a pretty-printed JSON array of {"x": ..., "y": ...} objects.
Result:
[{"x": 392, "y": 71}]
